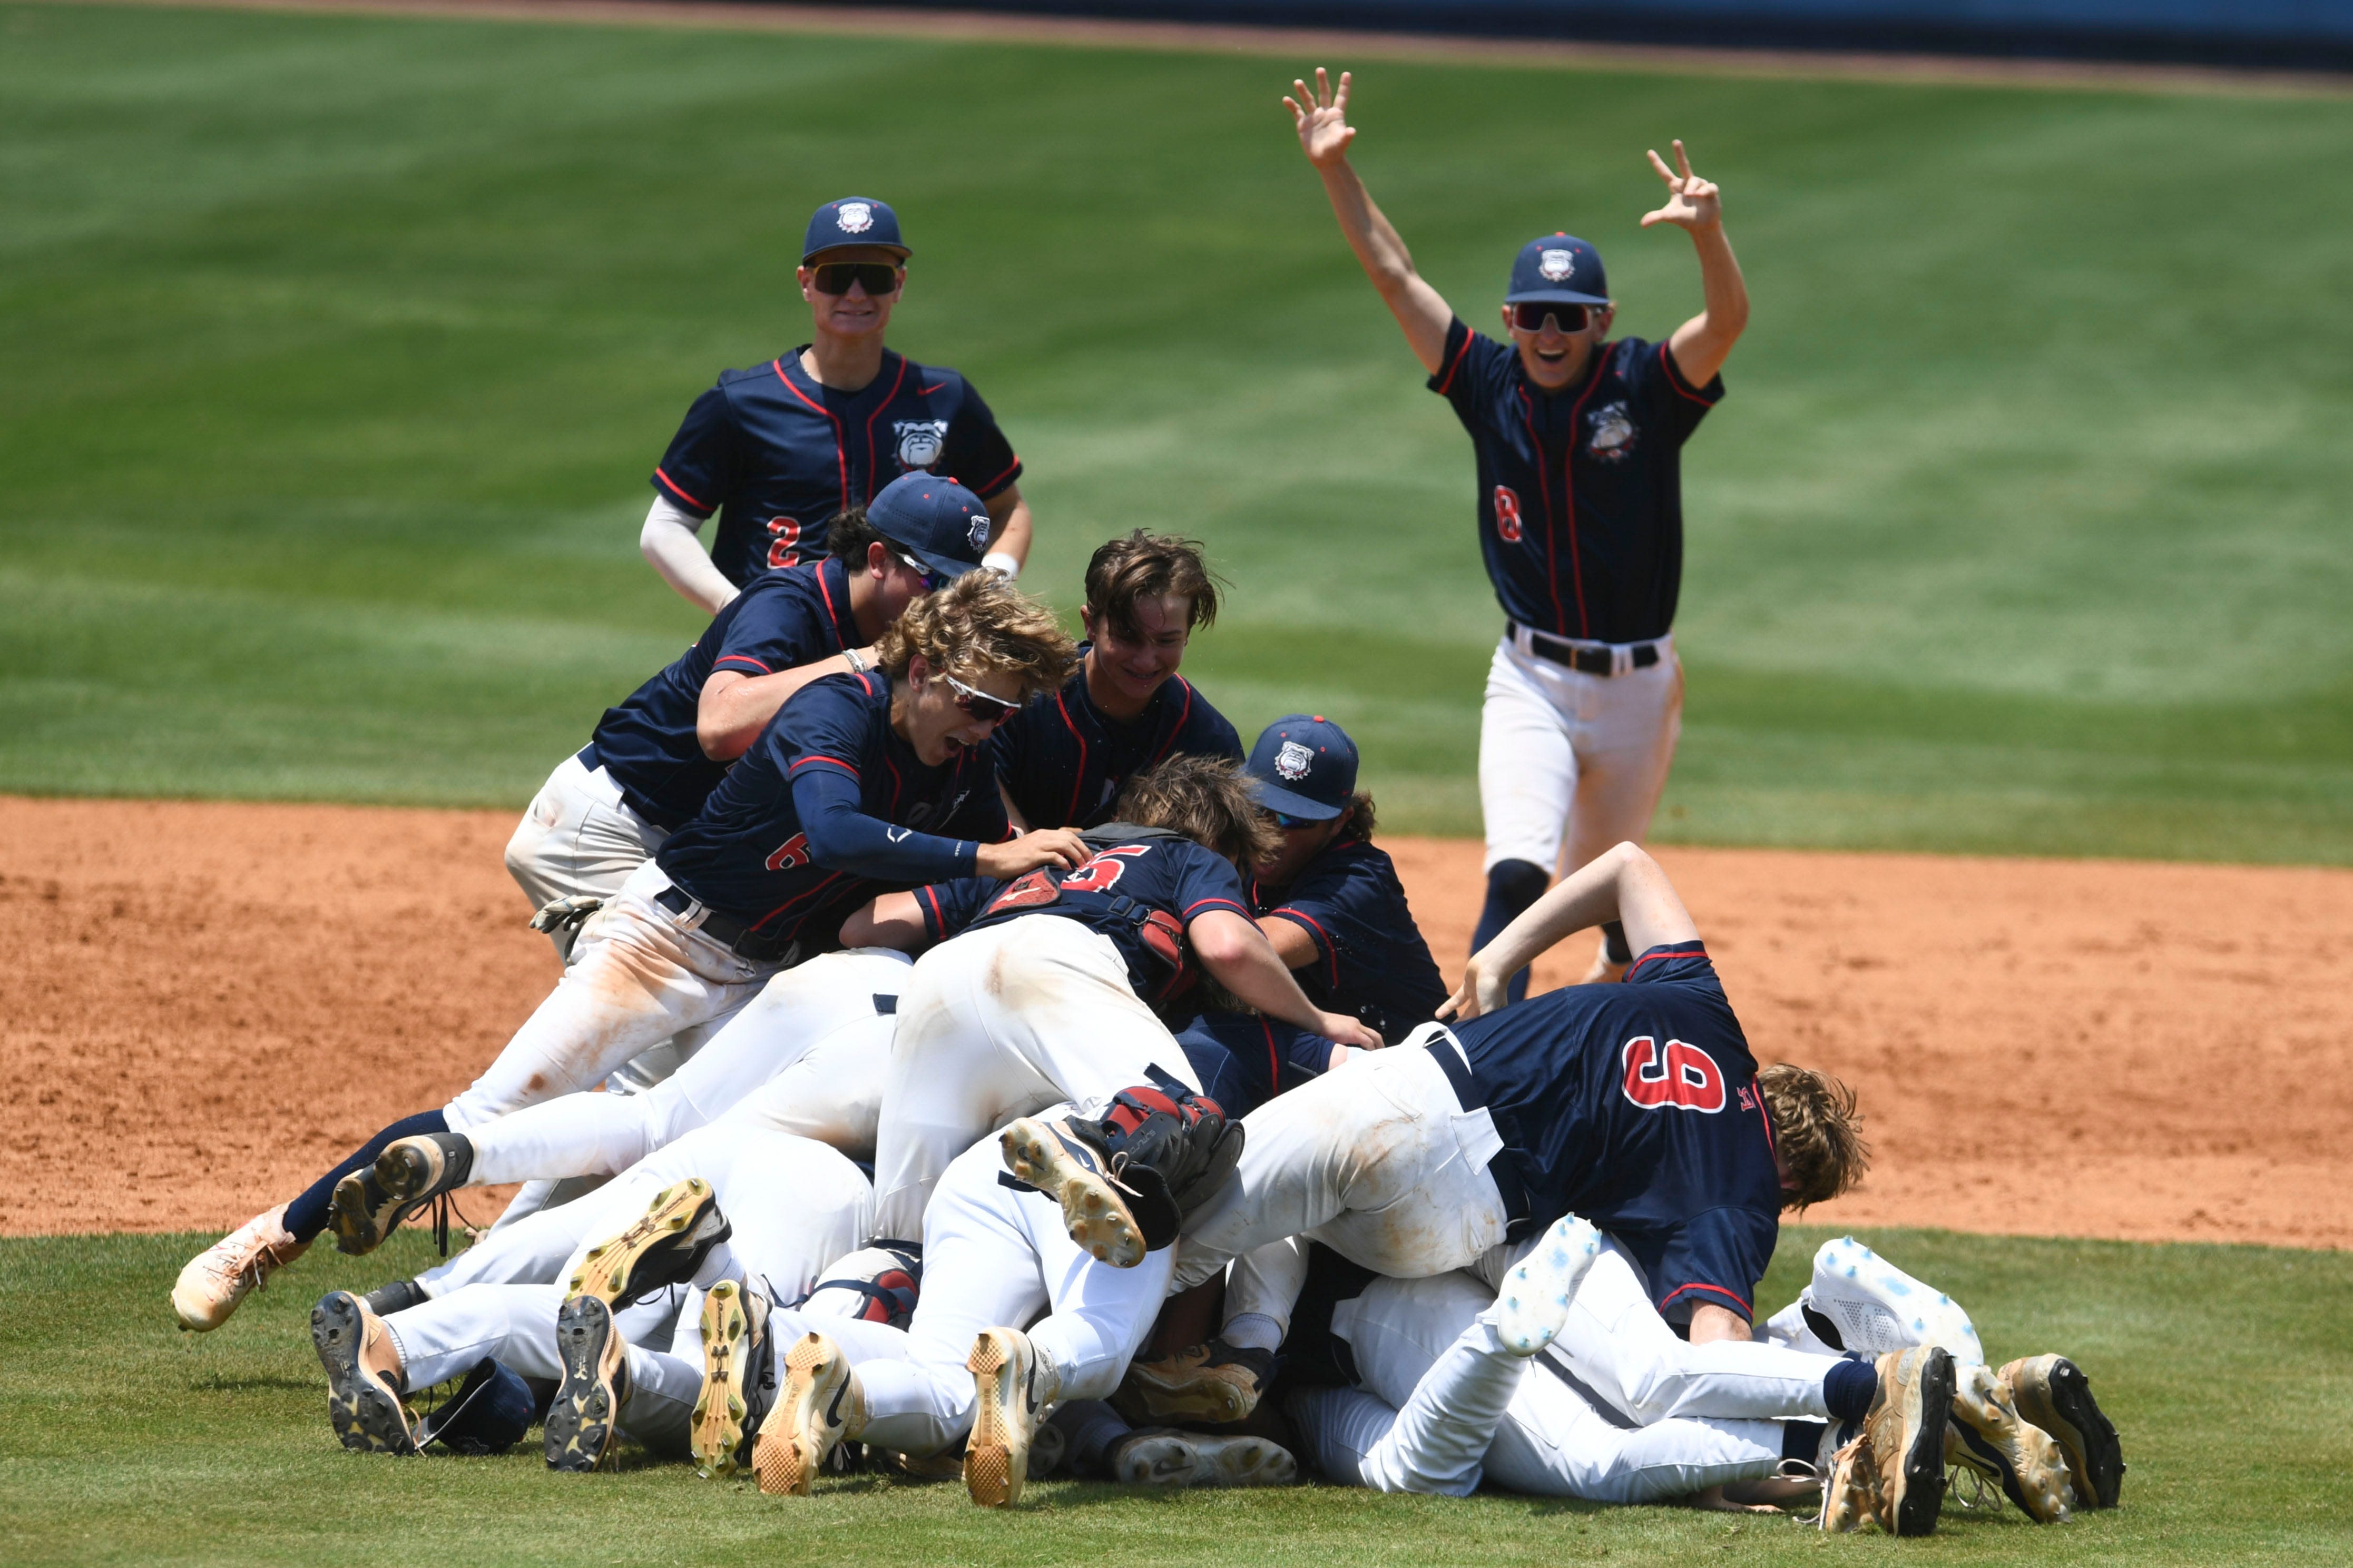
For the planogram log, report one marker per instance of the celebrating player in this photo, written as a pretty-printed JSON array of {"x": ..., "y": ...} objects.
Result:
[
  {"x": 1580, "y": 515},
  {"x": 1064, "y": 758},
  {"x": 860, "y": 783},
  {"x": 778, "y": 449}
]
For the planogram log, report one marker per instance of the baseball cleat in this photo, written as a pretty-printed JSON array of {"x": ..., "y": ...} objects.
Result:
[
  {"x": 1909, "y": 1413},
  {"x": 821, "y": 1404},
  {"x": 1215, "y": 1383},
  {"x": 215, "y": 1280},
  {"x": 419, "y": 1169},
  {"x": 584, "y": 1423},
  {"x": 665, "y": 1248},
  {"x": 397, "y": 1295},
  {"x": 363, "y": 1376},
  {"x": 1048, "y": 1447},
  {"x": 1857, "y": 1300},
  {"x": 1240, "y": 1461},
  {"x": 1987, "y": 1435},
  {"x": 1154, "y": 1457},
  {"x": 739, "y": 1379},
  {"x": 362, "y": 1214},
  {"x": 1010, "y": 1388},
  {"x": 1851, "y": 1487},
  {"x": 1532, "y": 1305},
  {"x": 1095, "y": 1211},
  {"x": 2050, "y": 1393}
]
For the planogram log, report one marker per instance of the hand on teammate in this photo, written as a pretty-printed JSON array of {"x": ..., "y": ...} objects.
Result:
[
  {"x": 1042, "y": 847},
  {"x": 1344, "y": 1030},
  {"x": 1692, "y": 202},
  {"x": 1322, "y": 117},
  {"x": 1479, "y": 992}
]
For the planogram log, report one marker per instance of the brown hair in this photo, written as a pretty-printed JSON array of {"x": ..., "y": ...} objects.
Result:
[
  {"x": 848, "y": 536},
  {"x": 1816, "y": 1130},
  {"x": 1207, "y": 800},
  {"x": 1146, "y": 566},
  {"x": 1360, "y": 817},
  {"x": 980, "y": 624}
]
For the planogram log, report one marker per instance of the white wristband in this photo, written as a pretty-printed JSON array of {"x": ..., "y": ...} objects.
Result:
[{"x": 1001, "y": 564}]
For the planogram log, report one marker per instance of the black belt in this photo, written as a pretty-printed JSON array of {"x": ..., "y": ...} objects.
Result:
[
  {"x": 1585, "y": 661},
  {"x": 1504, "y": 1168},
  {"x": 759, "y": 947}
]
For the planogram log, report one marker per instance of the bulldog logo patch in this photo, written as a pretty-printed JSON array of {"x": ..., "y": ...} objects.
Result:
[
  {"x": 976, "y": 530},
  {"x": 854, "y": 217},
  {"x": 1613, "y": 432},
  {"x": 1558, "y": 265},
  {"x": 1293, "y": 760},
  {"x": 921, "y": 441}
]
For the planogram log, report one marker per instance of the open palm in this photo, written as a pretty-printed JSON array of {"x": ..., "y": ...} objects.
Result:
[{"x": 1323, "y": 115}]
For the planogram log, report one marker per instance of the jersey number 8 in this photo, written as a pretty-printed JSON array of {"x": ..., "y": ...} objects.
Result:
[{"x": 1507, "y": 514}]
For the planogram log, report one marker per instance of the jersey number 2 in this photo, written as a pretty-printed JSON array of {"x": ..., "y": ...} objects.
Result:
[
  {"x": 783, "y": 536},
  {"x": 1507, "y": 514},
  {"x": 1684, "y": 1075}
]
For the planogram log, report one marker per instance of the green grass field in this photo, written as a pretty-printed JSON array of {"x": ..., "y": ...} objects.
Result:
[
  {"x": 123, "y": 1441},
  {"x": 338, "y": 349}
]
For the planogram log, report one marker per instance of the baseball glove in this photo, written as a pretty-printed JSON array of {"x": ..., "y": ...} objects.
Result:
[
  {"x": 566, "y": 913},
  {"x": 1169, "y": 1148}
]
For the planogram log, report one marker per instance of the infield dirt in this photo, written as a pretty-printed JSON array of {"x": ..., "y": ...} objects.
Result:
[{"x": 204, "y": 1004}]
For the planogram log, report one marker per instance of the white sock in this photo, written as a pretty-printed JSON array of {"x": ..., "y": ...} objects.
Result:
[{"x": 1252, "y": 1331}]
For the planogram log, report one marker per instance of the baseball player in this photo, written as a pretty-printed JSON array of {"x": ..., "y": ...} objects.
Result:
[
  {"x": 1580, "y": 515},
  {"x": 860, "y": 783},
  {"x": 778, "y": 449},
  {"x": 1063, "y": 761}
]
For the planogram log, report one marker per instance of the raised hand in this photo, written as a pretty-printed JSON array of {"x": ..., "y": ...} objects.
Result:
[
  {"x": 1322, "y": 118},
  {"x": 1692, "y": 202}
]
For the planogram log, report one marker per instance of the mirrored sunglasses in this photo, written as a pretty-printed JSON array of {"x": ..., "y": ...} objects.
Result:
[
  {"x": 978, "y": 704},
  {"x": 1529, "y": 315},
  {"x": 877, "y": 277}
]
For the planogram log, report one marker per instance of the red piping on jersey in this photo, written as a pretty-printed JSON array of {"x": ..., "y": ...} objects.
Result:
[
  {"x": 1274, "y": 1062},
  {"x": 829, "y": 604},
  {"x": 927, "y": 391},
  {"x": 672, "y": 486},
  {"x": 939, "y": 919},
  {"x": 841, "y": 445},
  {"x": 996, "y": 486},
  {"x": 1455, "y": 363},
  {"x": 1177, "y": 728},
  {"x": 837, "y": 762},
  {"x": 742, "y": 659},
  {"x": 1552, "y": 525},
  {"x": 1079, "y": 781},
  {"x": 1330, "y": 947},
  {"x": 1675, "y": 378},
  {"x": 1647, "y": 956},
  {"x": 830, "y": 878},
  {"x": 1568, "y": 484},
  {"x": 1222, "y": 903},
  {"x": 895, "y": 381},
  {"x": 1745, "y": 1309},
  {"x": 897, "y": 784}
]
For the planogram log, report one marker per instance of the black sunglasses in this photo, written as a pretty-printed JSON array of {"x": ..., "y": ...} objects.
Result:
[
  {"x": 836, "y": 276},
  {"x": 1529, "y": 315},
  {"x": 978, "y": 704}
]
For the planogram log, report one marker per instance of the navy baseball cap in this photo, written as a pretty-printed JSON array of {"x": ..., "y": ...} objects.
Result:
[
  {"x": 933, "y": 519},
  {"x": 854, "y": 220},
  {"x": 1559, "y": 267},
  {"x": 1303, "y": 766}
]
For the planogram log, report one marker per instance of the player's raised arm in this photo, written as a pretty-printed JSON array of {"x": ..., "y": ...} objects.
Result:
[
  {"x": 1621, "y": 884},
  {"x": 1701, "y": 345},
  {"x": 1324, "y": 135}
]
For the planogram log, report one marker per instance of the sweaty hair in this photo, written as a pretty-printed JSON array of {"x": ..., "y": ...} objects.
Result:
[
  {"x": 1146, "y": 566},
  {"x": 1360, "y": 816},
  {"x": 981, "y": 625},
  {"x": 1816, "y": 1130},
  {"x": 1207, "y": 800},
  {"x": 847, "y": 536}
]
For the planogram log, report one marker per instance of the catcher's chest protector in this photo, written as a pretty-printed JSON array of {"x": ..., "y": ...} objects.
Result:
[{"x": 1161, "y": 932}]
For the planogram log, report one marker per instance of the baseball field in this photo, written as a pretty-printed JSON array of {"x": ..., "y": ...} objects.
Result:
[{"x": 2016, "y": 782}]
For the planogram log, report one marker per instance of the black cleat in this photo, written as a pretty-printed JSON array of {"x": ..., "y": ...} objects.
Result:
[
  {"x": 584, "y": 1422},
  {"x": 363, "y": 1376},
  {"x": 418, "y": 1169},
  {"x": 2053, "y": 1392}
]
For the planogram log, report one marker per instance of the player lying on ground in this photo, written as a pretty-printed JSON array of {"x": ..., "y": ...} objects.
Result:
[
  {"x": 1063, "y": 760},
  {"x": 1579, "y": 442},
  {"x": 1036, "y": 990},
  {"x": 860, "y": 783},
  {"x": 775, "y": 450}
]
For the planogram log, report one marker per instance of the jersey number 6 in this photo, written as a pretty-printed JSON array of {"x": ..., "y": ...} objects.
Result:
[
  {"x": 1686, "y": 1076},
  {"x": 1507, "y": 514}
]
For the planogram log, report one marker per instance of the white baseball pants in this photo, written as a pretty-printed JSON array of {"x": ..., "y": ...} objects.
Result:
[
  {"x": 638, "y": 977},
  {"x": 1001, "y": 1023},
  {"x": 1441, "y": 1402},
  {"x": 995, "y": 1257},
  {"x": 1564, "y": 755},
  {"x": 578, "y": 838},
  {"x": 826, "y": 1005},
  {"x": 1379, "y": 1162}
]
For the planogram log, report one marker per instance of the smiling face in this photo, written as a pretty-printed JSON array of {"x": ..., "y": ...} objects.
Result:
[
  {"x": 1125, "y": 667},
  {"x": 1553, "y": 358},
  {"x": 854, "y": 314},
  {"x": 925, "y": 713}
]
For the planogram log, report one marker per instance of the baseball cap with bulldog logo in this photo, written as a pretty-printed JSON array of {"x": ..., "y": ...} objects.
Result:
[
  {"x": 933, "y": 519},
  {"x": 1303, "y": 766},
  {"x": 852, "y": 220},
  {"x": 1560, "y": 268}
]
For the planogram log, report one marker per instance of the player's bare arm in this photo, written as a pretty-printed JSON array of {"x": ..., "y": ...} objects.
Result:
[
  {"x": 1010, "y": 538},
  {"x": 1324, "y": 133},
  {"x": 1238, "y": 955},
  {"x": 1701, "y": 345},
  {"x": 1290, "y": 941},
  {"x": 735, "y": 707},
  {"x": 893, "y": 920},
  {"x": 1621, "y": 884}
]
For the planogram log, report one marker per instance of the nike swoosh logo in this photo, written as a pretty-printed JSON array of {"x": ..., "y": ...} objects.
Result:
[{"x": 833, "y": 1413}]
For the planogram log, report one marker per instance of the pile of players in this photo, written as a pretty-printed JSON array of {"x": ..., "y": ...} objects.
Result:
[{"x": 964, "y": 1005}]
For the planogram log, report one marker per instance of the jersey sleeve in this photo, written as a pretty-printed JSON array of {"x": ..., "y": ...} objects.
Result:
[
  {"x": 1671, "y": 403},
  {"x": 1208, "y": 733},
  {"x": 1715, "y": 1258},
  {"x": 1474, "y": 372},
  {"x": 823, "y": 733},
  {"x": 699, "y": 471},
  {"x": 948, "y": 907},
  {"x": 1674, "y": 962},
  {"x": 775, "y": 629},
  {"x": 1207, "y": 881},
  {"x": 977, "y": 455}
]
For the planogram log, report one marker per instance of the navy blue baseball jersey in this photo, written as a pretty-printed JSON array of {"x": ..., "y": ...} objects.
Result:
[
  {"x": 776, "y": 455},
  {"x": 1370, "y": 960},
  {"x": 828, "y": 809},
  {"x": 648, "y": 743},
  {"x": 1636, "y": 1106},
  {"x": 1580, "y": 491},
  {"x": 1118, "y": 892},
  {"x": 1244, "y": 1060},
  {"x": 1063, "y": 761}
]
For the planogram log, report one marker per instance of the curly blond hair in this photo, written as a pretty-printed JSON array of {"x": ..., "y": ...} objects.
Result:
[
  {"x": 1817, "y": 1132},
  {"x": 981, "y": 625},
  {"x": 1207, "y": 800}
]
